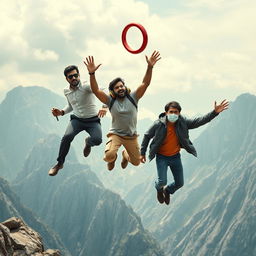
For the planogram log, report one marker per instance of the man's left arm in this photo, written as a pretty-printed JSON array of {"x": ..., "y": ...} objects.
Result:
[
  {"x": 147, "y": 78},
  {"x": 196, "y": 122}
]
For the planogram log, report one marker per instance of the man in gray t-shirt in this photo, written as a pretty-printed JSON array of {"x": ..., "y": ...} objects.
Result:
[{"x": 123, "y": 108}]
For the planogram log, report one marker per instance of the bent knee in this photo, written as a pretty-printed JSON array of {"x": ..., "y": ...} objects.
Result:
[
  {"x": 110, "y": 156},
  {"x": 136, "y": 162}
]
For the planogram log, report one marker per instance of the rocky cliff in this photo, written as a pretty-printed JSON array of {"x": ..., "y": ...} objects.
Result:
[
  {"x": 18, "y": 239},
  {"x": 11, "y": 206}
]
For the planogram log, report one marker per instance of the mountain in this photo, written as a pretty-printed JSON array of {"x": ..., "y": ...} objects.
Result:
[
  {"x": 214, "y": 213},
  {"x": 78, "y": 207},
  {"x": 10, "y": 206},
  {"x": 25, "y": 116},
  {"x": 31, "y": 120}
]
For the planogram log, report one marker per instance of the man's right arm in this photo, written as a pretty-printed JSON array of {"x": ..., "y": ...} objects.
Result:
[
  {"x": 61, "y": 112},
  {"x": 150, "y": 133},
  {"x": 68, "y": 108},
  {"x": 102, "y": 96}
]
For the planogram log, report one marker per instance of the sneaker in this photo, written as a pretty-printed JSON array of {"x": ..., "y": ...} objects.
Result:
[
  {"x": 160, "y": 196},
  {"x": 54, "y": 170},
  {"x": 87, "y": 149},
  {"x": 166, "y": 196},
  {"x": 124, "y": 162},
  {"x": 111, "y": 165}
]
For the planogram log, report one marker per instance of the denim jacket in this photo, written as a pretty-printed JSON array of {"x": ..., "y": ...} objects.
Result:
[{"x": 158, "y": 132}]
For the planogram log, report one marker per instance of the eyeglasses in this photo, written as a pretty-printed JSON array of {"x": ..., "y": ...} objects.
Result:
[{"x": 73, "y": 75}]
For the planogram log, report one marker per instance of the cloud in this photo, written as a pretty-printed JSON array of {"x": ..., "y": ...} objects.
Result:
[
  {"x": 43, "y": 55},
  {"x": 201, "y": 43},
  {"x": 146, "y": 113},
  {"x": 217, "y": 4}
]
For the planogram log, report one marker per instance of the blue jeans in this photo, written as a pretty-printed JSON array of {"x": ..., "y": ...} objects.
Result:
[
  {"x": 174, "y": 162},
  {"x": 76, "y": 125}
]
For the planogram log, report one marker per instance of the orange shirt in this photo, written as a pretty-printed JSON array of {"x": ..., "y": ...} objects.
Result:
[{"x": 171, "y": 144}]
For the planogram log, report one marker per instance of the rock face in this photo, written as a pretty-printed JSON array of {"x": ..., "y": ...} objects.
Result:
[
  {"x": 10, "y": 206},
  {"x": 18, "y": 239}
]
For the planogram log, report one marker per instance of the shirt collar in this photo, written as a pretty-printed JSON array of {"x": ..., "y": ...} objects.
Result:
[{"x": 67, "y": 90}]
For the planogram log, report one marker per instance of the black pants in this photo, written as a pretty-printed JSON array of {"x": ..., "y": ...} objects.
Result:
[{"x": 76, "y": 125}]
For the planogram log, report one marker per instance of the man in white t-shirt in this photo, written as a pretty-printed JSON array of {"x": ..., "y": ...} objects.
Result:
[
  {"x": 123, "y": 108},
  {"x": 85, "y": 116}
]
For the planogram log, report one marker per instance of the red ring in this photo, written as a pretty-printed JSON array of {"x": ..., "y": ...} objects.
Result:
[{"x": 144, "y": 34}]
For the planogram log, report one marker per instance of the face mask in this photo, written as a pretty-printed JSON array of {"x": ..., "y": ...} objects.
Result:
[{"x": 172, "y": 118}]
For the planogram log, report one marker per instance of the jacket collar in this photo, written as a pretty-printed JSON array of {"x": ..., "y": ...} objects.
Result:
[{"x": 162, "y": 118}]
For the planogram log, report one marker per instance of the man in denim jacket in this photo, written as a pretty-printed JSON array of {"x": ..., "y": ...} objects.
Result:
[{"x": 170, "y": 134}]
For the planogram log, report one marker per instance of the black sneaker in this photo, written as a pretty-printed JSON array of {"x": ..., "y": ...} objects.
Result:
[
  {"x": 166, "y": 196},
  {"x": 87, "y": 149},
  {"x": 160, "y": 196}
]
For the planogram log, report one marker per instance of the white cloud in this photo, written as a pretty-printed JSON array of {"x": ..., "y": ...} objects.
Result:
[
  {"x": 16, "y": 78},
  {"x": 207, "y": 42},
  {"x": 12, "y": 24},
  {"x": 146, "y": 113},
  {"x": 217, "y": 4},
  {"x": 43, "y": 55}
]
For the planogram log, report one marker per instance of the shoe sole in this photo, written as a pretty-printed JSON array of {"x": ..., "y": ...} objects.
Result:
[{"x": 56, "y": 172}]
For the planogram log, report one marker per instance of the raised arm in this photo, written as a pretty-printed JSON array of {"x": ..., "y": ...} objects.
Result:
[
  {"x": 102, "y": 96},
  {"x": 147, "y": 78},
  {"x": 199, "y": 121}
]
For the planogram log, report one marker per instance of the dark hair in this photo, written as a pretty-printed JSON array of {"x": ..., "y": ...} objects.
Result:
[
  {"x": 172, "y": 104},
  {"x": 114, "y": 82},
  {"x": 69, "y": 69}
]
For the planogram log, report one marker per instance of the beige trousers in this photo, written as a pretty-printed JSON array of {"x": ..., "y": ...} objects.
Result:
[{"x": 131, "y": 152}]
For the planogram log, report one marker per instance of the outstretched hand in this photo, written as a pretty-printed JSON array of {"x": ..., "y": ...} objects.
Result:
[
  {"x": 153, "y": 58},
  {"x": 102, "y": 112},
  {"x": 223, "y": 106},
  {"x": 89, "y": 63},
  {"x": 143, "y": 159}
]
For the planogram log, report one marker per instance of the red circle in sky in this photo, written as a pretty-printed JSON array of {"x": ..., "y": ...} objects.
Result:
[{"x": 144, "y": 34}]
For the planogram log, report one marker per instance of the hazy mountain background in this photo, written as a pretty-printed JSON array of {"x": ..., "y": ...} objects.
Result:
[
  {"x": 213, "y": 214},
  {"x": 79, "y": 208},
  {"x": 10, "y": 206}
]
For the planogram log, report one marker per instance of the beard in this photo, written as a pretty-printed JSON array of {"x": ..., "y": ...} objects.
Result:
[
  {"x": 74, "y": 83},
  {"x": 121, "y": 94}
]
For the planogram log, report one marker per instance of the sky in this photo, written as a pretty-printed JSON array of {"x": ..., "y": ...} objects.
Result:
[{"x": 207, "y": 47}]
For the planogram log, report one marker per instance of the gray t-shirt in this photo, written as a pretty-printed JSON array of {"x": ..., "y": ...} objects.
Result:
[{"x": 124, "y": 116}]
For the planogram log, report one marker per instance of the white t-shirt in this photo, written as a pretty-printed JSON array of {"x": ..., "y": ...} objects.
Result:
[{"x": 81, "y": 101}]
